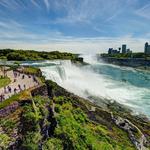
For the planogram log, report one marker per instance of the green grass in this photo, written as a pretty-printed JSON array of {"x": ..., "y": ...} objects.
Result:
[
  {"x": 17, "y": 97},
  {"x": 73, "y": 131},
  {"x": 34, "y": 71},
  {"x": 30, "y": 70},
  {"x": 9, "y": 101},
  {"x": 79, "y": 133},
  {"x": 4, "y": 140},
  {"x": 4, "y": 81}
]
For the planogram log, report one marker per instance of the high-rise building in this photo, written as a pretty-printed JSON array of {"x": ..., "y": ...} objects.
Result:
[
  {"x": 147, "y": 48},
  {"x": 129, "y": 51},
  {"x": 110, "y": 50},
  {"x": 113, "y": 51},
  {"x": 124, "y": 48}
]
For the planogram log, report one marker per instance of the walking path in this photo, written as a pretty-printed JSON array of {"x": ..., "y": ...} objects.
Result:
[{"x": 18, "y": 83}]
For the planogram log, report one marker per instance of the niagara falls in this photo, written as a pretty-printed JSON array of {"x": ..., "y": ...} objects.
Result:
[
  {"x": 74, "y": 74},
  {"x": 126, "y": 85}
]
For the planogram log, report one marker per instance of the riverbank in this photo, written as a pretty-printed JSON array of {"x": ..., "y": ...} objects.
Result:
[{"x": 140, "y": 63}]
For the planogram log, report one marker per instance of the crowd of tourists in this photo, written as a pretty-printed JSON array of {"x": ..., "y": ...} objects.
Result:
[{"x": 10, "y": 90}]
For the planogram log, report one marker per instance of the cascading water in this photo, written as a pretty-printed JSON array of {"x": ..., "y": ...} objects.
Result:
[
  {"x": 61, "y": 72},
  {"x": 125, "y": 85}
]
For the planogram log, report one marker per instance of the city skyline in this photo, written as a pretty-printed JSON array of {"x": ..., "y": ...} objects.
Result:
[{"x": 74, "y": 25}]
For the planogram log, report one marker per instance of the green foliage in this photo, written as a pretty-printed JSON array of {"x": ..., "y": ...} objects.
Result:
[
  {"x": 21, "y": 55},
  {"x": 31, "y": 140},
  {"x": 57, "y": 108},
  {"x": 127, "y": 55},
  {"x": 73, "y": 131},
  {"x": 40, "y": 104},
  {"x": 77, "y": 132},
  {"x": 34, "y": 71},
  {"x": 33, "y": 115},
  {"x": 31, "y": 70},
  {"x": 14, "y": 98},
  {"x": 17, "y": 63},
  {"x": 61, "y": 100},
  {"x": 31, "y": 118},
  {"x": 53, "y": 144},
  {"x": 4, "y": 141},
  {"x": 7, "y": 124},
  {"x": 9, "y": 101},
  {"x": 4, "y": 81},
  {"x": 16, "y": 56}
]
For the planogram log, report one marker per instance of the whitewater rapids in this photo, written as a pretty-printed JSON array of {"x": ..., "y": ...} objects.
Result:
[{"x": 123, "y": 84}]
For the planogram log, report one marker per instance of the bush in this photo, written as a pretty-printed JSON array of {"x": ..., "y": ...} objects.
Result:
[
  {"x": 53, "y": 144},
  {"x": 31, "y": 140},
  {"x": 4, "y": 141},
  {"x": 22, "y": 55},
  {"x": 57, "y": 108}
]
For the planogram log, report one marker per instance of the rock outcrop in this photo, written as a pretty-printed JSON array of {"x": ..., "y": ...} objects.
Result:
[
  {"x": 135, "y": 135},
  {"x": 9, "y": 109},
  {"x": 42, "y": 90}
]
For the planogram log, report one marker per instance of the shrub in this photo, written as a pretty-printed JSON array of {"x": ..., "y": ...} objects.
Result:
[
  {"x": 4, "y": 141},
  {"x": 53, "y": 144}
]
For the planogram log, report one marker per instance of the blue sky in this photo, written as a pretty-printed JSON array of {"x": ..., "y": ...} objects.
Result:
[{"x": 74, "y": 25}]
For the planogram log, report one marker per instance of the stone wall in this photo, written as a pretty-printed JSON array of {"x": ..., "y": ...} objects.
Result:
[
  {"x": 42, "y": 91},
  {"x": 9, "y": 109}
]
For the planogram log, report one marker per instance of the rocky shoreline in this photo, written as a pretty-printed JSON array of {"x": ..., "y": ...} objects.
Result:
[
  {"x": 92, "y": 109},
  {"x": 130, "y": 62}
]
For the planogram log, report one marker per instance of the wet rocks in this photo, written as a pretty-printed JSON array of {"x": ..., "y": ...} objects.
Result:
[{"x": 135, "y": 135}]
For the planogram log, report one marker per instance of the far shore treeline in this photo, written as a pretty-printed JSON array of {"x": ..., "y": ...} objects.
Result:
[
  {"x": 28, "y": 55},
  {"x": 128, "y": 55}
]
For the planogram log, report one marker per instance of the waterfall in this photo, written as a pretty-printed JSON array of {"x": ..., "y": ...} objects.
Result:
[
  {"x": 61, "y": 71},
  {"x": 125, "y": 85}
]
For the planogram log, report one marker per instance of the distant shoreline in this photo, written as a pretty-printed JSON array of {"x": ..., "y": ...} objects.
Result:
[{"x": 139, "y": 63}]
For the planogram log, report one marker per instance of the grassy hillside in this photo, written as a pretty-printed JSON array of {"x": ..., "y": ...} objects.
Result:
[
  {"x": 64, "y": 121},
  {"x": 69, "y": 128}
]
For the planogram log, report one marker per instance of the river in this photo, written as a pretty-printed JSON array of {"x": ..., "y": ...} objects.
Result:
[{"x": 125, "y": 85}]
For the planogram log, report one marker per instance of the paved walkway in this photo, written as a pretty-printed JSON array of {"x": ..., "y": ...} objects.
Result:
[{"x": 25, "y": 83}]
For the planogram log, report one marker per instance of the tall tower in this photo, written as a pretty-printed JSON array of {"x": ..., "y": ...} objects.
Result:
[
  {"x": 146, "y": 46},
  {"x": 124, "y": 47}
]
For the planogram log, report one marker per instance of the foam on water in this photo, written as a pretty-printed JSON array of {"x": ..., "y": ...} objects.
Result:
[{"x": 103, "y": 80}]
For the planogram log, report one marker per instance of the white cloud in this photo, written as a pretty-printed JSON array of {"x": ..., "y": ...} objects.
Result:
[
  {"x": 10, "y": 4},
  {"x": 35, "y": 3},
  {"x": 10, "y": 24},
  {"x": 78, "y": 45},
  {"x": 46, "y": 2},
  {"x": 144, "y": 11},
  {"x": 87, "y": 10},
  {"x": 90, "y": 12}
]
